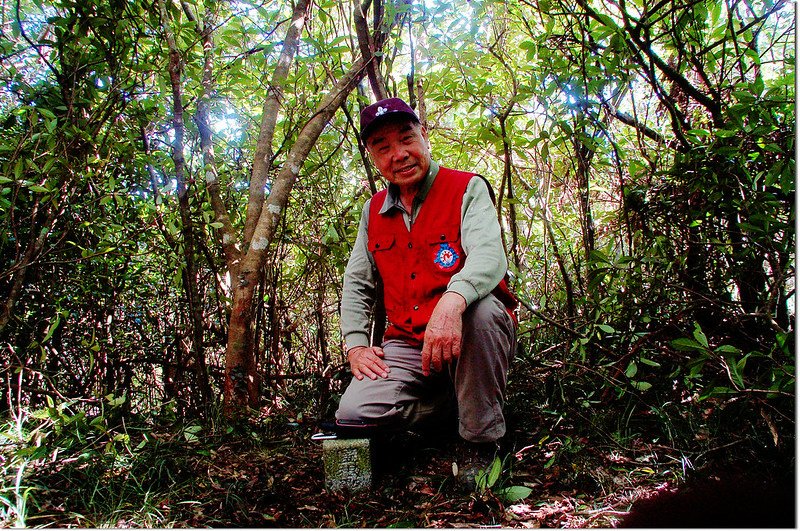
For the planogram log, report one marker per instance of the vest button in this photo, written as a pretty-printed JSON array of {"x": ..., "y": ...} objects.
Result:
[
  {"x": 416, "y": 307},
  {"x": 413, "y": 276},
  {"x": 410, "y": 245},
  {"x": 442, "y": 237}
]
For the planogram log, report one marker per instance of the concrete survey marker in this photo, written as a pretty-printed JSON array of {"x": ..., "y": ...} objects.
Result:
[{"x": 348, "y": 464}]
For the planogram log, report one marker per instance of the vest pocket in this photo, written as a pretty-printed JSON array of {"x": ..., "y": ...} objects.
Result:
[
  {"x": 383, "y": 242},
  {"x": 450, "y": 234}
]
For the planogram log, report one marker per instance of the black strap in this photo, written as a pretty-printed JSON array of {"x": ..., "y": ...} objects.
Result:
[{"x": 489, "y": 187}]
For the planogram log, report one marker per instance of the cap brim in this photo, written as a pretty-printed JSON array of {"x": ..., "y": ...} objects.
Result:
[{"x": 382, "y": 119}]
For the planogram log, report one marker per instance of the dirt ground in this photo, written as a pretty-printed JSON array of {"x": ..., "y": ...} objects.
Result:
[
  {"x": 274, "y": 478},
  {"x": 284, "y": 486}
]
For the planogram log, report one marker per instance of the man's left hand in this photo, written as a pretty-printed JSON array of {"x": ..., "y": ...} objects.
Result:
[{"x": 442, "y": 341}]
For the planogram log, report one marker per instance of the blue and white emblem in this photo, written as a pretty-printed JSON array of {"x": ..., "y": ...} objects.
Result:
[{"x": 446, "y": 257}]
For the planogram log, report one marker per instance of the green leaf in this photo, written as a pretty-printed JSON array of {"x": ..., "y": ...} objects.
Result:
[
  {"x": 190, "y": 432},
  {"x": 605, "y": 328},
  {"x": 494, "y": 473},
  {"x": 700, "y": 336},
  {"x": 724, "y": 133},
  {"x": 736, "y": 373},
  {"x": 403, "y": 524},
  {"x": 515, "y": 493},
  {"x": 632, "y": 369},
  {"x": 41, "y": 414},
  {"x": 641, "y": 386},
  {"x": 115, "y": 401},
  {"x": 51, "y": 330},
  {"x": 650, "y": 362},
  {"x": 684, "y": 343},
  {"x": 727, "y": 349}
]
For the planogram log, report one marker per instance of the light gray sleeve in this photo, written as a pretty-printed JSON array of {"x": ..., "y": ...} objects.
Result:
[
  {"x": 486, "y": 262},
  {"x": 358, "y": 291}
]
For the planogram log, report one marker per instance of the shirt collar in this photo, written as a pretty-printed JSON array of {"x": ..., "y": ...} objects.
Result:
[{"x": 393, "y": 195}]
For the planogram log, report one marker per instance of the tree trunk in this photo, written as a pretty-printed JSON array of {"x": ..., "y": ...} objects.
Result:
[
  {"x": 568, "y": 288},
  {"x": 33, "y": 250},
  {"x": 368, "y": 47},
  {"x": 242, "y": 384},
  {"x": 583, "y": 155},
  {"x": 262, "y": 163},
  {"x": 187, "y": 227},
  {"x": 508, "y": 164},
  {"x": 241, "y": 378}
]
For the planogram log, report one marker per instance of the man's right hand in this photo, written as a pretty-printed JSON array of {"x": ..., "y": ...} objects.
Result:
[{"x": 367, "y": 361}]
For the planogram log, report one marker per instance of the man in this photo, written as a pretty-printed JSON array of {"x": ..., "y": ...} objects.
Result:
[{"x": 433, "y": 240}]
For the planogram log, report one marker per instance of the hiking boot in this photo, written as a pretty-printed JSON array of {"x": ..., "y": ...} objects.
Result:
[{"x": 470, "y": 460}]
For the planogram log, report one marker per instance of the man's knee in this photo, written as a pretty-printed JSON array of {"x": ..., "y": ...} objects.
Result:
[
  {"x": 351, "y": 407},
  {"x": 489, "y": 335},
  {"x": 348, "y": 409},
  {"x": 488, "y": 313},
  {"x": 359, "y": 403}
]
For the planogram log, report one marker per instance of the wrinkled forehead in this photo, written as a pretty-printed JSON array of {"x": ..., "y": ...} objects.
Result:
[{"x": 391, "y": 124}]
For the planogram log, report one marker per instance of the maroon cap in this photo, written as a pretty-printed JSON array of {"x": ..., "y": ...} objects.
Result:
[{"x": 376, "y": 113}]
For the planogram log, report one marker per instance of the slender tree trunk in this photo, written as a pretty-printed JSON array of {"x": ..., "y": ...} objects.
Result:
[
  {"x": 241, "y": 386},
  {"x": 17, "y": 281},
  {"x": 368, "y": 47},
  {"x": 241, "y": 378},
  {"x": 262, "y": 163},
  {"x": 264, "y": 215},
  {"x": 562, "y": 267},
  {"x": 508, "y": 164},
  {"x": 187, "y": 226},
  {"x": 202, "y": 120},
  {"x": 582, "y": 154}
]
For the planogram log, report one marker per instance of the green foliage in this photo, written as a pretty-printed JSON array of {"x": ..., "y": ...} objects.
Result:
[
  {"x": 14, "y": 497},
  {"x": 486, "y": 479},
  {"x": 106, "y": 470},
  {"x": 34, "y": 440},
  {"x": 683, "y": 298},
  {"x": 643, "y": 159},
  {"x": 491, "y": 479}
]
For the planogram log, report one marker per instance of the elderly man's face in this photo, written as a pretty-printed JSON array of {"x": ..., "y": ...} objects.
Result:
[{"x": 401, "y": 152}]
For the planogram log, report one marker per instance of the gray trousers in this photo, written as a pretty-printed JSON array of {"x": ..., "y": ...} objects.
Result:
[{"x": 476, "y": 380}]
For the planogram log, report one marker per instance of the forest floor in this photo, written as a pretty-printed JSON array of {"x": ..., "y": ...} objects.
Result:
[
  {"x": 276, "y": 479},
  {"x": 413, "y": 487},
  {"x": 267, "y": 472}
]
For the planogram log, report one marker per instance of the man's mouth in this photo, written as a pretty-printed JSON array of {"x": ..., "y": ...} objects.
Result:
[{"x": 406, "y": 169}]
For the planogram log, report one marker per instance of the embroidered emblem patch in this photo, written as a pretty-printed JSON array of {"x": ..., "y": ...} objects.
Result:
[{"x": 446, "y": 257}]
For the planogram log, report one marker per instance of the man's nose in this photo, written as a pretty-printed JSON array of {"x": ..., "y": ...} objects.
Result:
[{"x": 399, "y": 153}]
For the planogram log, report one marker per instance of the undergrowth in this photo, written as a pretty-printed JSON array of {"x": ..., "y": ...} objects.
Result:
[{"x": 95, "y": 464}]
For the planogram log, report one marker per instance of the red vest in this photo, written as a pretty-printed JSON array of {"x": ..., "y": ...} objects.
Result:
[{"x": 415, "y": 266}]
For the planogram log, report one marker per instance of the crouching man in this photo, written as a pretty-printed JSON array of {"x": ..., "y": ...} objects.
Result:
[{"x": 433, "y": 240}]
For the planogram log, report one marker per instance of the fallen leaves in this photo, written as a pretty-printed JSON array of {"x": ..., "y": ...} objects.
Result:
[{"x": 279, "y": 481}]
